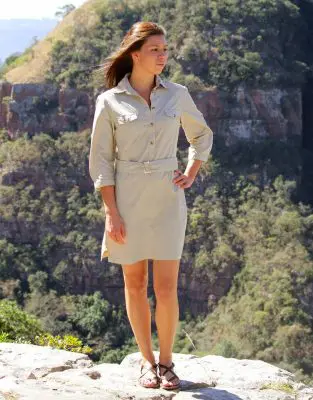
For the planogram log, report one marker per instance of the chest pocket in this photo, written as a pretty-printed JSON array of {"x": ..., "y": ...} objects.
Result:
[{"x": 171, "y": 112}]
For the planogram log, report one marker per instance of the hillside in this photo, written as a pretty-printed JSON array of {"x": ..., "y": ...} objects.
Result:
[
  {"x": 260, "y": 44},
  {"x": 33, "y": 66},
  {"x": 21, "y": 33}
]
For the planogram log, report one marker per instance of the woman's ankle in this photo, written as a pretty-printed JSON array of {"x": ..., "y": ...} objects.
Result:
[
  {"x": 148, "y": 359},
  {"x": 166, "y": 361}
]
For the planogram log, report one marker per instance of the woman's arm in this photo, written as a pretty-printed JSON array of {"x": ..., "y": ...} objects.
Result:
[
  {"x": 102, "y": 154},
  {"x": 109, "y": 200},
  {"x": 200, "y": 137},
  {"x": 192, "y": 168},
  {"x": 102, "y": 146},
  {"x": 198, "y": 133},
  {"x": 115, "y": 225},
  {"x": 101, "y": 167}
]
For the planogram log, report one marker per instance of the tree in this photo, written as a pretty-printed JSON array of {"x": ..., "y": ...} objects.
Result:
[
  {"x": 64, "y": 11},
  {"x": 34, "y": 41}
]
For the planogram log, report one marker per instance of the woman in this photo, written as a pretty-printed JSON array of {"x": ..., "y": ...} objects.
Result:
[{"x": 133, "y": 163}]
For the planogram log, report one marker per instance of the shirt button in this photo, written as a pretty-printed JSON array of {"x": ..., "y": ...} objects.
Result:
[
  {"x": 151, "y": 142},
  {"x": 153, "y": 107},
  {"x": 151, "y": 123}
]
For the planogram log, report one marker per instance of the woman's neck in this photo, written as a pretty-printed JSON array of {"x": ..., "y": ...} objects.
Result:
[{"x": 142, "y": 83}]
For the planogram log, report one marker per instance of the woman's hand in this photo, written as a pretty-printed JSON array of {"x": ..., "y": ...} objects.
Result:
[
  {"x": 115, "y": 227},
  {"x": 183, "y": 181}
]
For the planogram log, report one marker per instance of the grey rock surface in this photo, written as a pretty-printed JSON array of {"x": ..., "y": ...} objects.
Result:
[{"x": 40, "y": 372}]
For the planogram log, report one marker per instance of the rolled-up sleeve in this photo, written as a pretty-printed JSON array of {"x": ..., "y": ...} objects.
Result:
[
  {"x": 198, "y": 133},
  {"x": 102, "y": 146}
]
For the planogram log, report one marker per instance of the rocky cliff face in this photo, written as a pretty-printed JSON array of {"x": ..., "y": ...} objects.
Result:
[
  {"x": 35, "y": 108},
  {"x": 252, "y": 114},
  {"x": 244, "y": 113},
  {"x": 35, "y": 372}
]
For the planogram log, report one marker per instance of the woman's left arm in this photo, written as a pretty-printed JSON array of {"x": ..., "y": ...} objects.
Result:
[{"x": 200, "y": 137}]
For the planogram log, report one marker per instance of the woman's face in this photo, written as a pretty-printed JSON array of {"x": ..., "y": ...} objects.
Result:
[{"x": 153, "y": 54}]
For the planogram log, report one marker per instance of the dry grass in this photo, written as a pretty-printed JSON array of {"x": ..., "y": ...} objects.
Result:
[
  {"x": 33, "y": 70},
  {"x": 9, "y": 395}
]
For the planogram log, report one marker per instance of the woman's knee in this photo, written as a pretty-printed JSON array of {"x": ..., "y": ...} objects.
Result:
[
  {"x": 136, "y": 287},
  {"x": 136, "y": 277},
  {"x": 165, "y": 277},
  {"x": 165, "y": 290}
]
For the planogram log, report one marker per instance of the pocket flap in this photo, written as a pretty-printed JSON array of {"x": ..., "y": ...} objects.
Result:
[{"x": 171, "y": 112}]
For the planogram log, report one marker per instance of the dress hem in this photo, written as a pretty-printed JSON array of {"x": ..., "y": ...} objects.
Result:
[{"x": 144, "y": 257}]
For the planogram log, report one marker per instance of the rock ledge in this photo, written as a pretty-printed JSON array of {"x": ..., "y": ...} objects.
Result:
[{"x": 37, "y": 372}]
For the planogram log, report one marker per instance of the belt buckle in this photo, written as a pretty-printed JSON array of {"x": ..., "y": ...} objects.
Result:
[{"x": 144, "y": 165}]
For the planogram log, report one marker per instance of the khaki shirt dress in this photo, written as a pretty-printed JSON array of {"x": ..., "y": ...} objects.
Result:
[{"x": 134, "y": 148}]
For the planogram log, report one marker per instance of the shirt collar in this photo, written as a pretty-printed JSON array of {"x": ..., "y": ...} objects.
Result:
[{"x": 125, "y": 86}]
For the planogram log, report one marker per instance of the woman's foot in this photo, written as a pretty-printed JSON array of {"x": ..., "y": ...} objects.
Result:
[
  {"x": 149, "y": 376},
  {"x": 169, "y": 380}
]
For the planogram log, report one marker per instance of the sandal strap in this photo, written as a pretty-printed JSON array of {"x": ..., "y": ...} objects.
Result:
[
  {"x": 170, "y": 370},
  {"x": 152, "y": 369}
]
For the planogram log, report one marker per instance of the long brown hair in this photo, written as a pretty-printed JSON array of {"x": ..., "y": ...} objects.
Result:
[{"x": 120, "y": 62}]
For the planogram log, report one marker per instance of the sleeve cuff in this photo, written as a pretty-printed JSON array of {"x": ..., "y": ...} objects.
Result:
[
  {"x": 194, "y": 155},
  {"x": 101, "y": 181}
]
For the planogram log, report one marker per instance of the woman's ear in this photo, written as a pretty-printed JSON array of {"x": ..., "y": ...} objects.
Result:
[{"x": 135, "y": 56}]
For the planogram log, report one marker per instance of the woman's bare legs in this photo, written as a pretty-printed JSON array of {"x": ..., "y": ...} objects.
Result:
[
  {"x": 138, "y": 310},
  {"x": 165, "y": 276}
]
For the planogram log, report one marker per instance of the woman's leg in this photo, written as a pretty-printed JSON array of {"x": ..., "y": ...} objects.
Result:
[
  {"x": 165, "y": 276},
  {"x": 138, "y": 308}
]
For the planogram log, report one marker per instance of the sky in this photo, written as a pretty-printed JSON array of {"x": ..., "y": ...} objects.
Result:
[{"x": 33, "y": 8}]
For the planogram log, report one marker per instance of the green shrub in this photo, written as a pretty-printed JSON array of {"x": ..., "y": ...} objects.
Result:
[
  {"x": 19, "y": 327},
  {"x": 67, "y": 342},
  {"x": 16, "y": 324},
  {"x": 225, "y": 348}
]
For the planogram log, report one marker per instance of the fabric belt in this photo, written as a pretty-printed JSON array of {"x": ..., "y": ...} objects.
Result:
[{"x": 147, "y": 167}]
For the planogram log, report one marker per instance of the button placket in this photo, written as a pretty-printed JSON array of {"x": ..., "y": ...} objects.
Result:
[
  {"x": 152, "y": 123},
  {"x": 151, "y": 145}
]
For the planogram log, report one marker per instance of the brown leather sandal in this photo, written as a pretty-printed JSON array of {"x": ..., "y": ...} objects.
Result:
[
  {"x": 170, "y": 369},
  {"x": 153, "y": 369}
]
